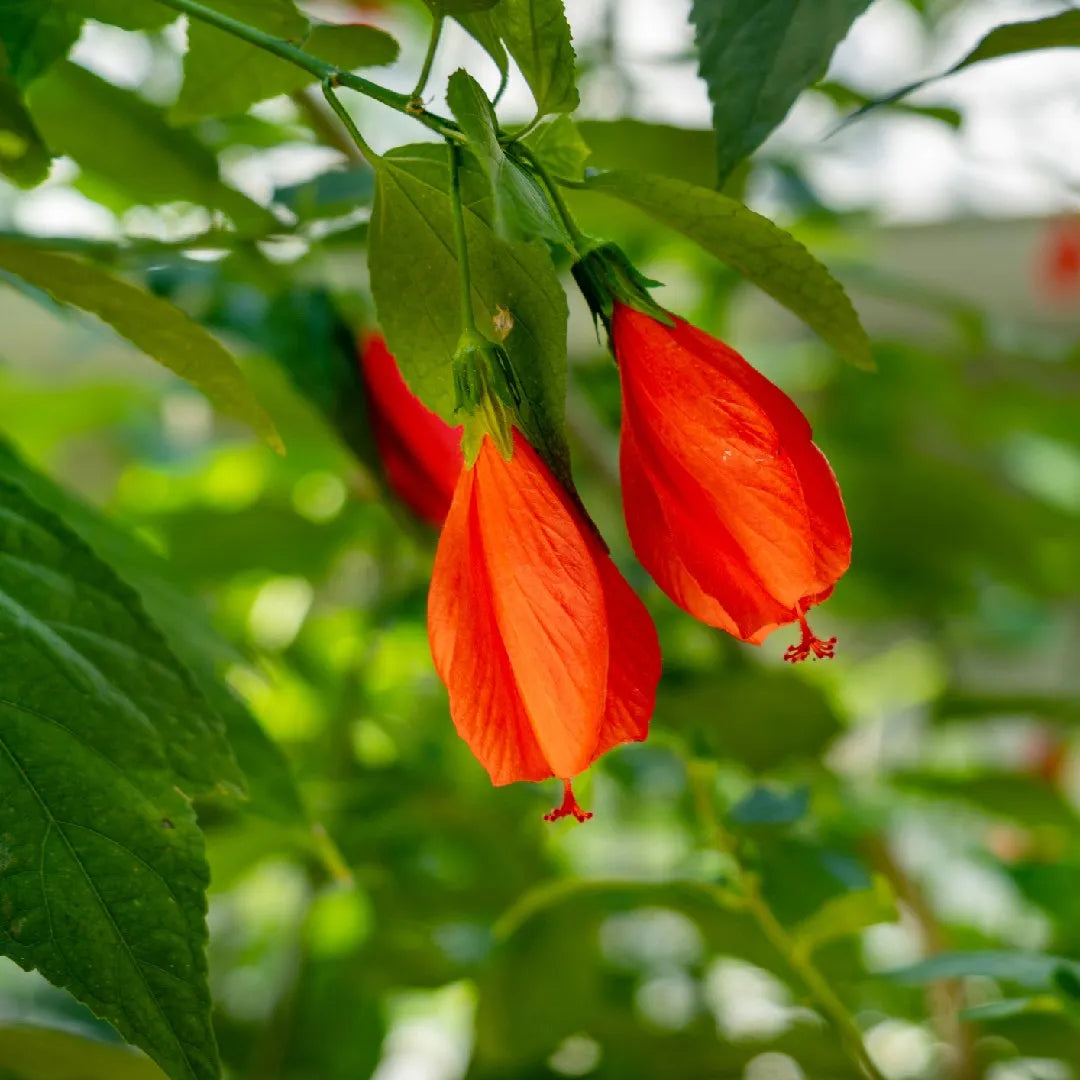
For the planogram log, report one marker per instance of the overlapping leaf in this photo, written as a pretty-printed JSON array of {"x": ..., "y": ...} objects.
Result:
[
  {"x": 159, "y": 329},
  {"x": 751, "y": 244}
]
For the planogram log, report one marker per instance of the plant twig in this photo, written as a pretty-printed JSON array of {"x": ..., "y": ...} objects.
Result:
[
  {"x": 319, "y": 69},
  {"x": 701, "y": 779},
  {"x": 328, "y": 131},
  {"x": 579, "y": 241},
  {"x": 416, "y": 100},
  {"x": 944, "y": 996},
  {"x": 347, "y": 122}
]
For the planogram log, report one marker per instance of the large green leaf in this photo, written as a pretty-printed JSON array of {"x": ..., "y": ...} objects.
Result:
[
  {"x": 33, "y": 35},
  {"x": 751, "y": 244},
  {"x": 23, "y": 156},
  {"x": 756, "y": 56},
  {"x": 102, "y": 879},
  {"x": 224, "y": 75},
  {"x": 414, "y": 280},
  {"x": 153, "y": 325},
  {"x": 538, "y": 36},
  {"x": 272, "y": 791},
  {"x": 522, "y": 210},
  {"x": 118, "y": 136}
]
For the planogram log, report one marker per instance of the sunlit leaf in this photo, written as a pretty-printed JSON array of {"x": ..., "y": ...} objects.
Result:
[{"x": 414, "y": 279}]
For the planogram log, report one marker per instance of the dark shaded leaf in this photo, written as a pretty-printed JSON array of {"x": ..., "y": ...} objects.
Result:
[
  {"x": 756, "y": 56},
  {"x": 102, "y": 879}
]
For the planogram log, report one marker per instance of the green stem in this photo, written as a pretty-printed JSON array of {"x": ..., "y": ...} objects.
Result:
[
  {"x": 701, "y": 779},
  {"x": 468, "y": 323},
  {"x": 531, "y": 126},
  {"x": 579, "y": 241},
  {"x": 319, "y": 69},
  {"x": 433, "y": 44},
  {"x": 347, "y": 121}
]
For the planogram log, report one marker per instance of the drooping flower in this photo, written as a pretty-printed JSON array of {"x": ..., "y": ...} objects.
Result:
[
  {"x": 549, "y": 657},
  {"x": 420, "y": 452},
  {"x": 730, "y": 506}
]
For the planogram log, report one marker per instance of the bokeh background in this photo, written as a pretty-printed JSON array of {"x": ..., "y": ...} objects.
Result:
[{"x": 392, "y": 915}]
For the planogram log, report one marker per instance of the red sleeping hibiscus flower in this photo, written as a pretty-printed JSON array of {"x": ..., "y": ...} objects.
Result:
[
  {"x": 1059, "y": 261},
  {"x": 420, "y": 452},
  {"x": 548, "y": 656},
  {"x": 730, "y": 506}
]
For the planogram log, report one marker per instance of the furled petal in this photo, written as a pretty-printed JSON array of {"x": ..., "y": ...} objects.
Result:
[
  {"x": 694, "y": 558},
  {"x": 469, "y": 653},
  {"x": 718, "y": 446},
  {"x": 729, "y": 505},
  {"x": 548, "y": 601}
]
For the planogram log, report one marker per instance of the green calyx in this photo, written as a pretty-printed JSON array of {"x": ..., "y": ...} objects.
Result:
[
  {"x": 605, "y": 275},
  {"x": 486, "y": 395}
]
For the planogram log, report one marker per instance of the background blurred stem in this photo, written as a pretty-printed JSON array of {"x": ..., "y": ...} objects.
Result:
[
  {"x": 944, "y": 997},
  {"x": 702, "y": 775}
]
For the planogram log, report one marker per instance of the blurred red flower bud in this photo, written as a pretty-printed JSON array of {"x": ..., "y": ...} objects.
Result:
[
  {"x": 549, "y": 657},
  {"x": 1059, "y": 259},
  {"x": 730, "y": 506},
  {"x": 420, "y": 452}
]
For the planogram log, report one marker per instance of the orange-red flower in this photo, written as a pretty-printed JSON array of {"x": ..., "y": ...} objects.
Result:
[
  {"x": 730, "y": 506},
  {"x": 548, "y": 656},
  {"x": 420, "y": 452}
]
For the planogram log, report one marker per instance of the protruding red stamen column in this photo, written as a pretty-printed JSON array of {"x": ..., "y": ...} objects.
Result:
[
  {"x": 810, "y": 644},
  {"x": 568, "y": 807}
]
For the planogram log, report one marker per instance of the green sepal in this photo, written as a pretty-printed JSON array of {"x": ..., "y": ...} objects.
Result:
[
  {"x": 486, "y": 395},
  {"x": 605, "y": 274}
]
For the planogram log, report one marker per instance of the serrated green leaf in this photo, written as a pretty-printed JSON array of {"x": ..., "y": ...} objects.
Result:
[
  {"x": 756, "y": 56},
  {"x": 522, "y": 210},
  {"x": 151, "y": 324},
  {"x": 114, "y": 134},
  {"x": 559, "y": 147},
  {"x": 224, "y": 75},
  {"x": 102, "y": 873},
  {"x": 751, "y": 244},
  {"x": 33, "y": 35},
  {"x": 272, "y": 792},
  {"x": 538, "y": 37},
  {"x": 23, "y": 156},
  {"x": 414, "y": 280}
]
